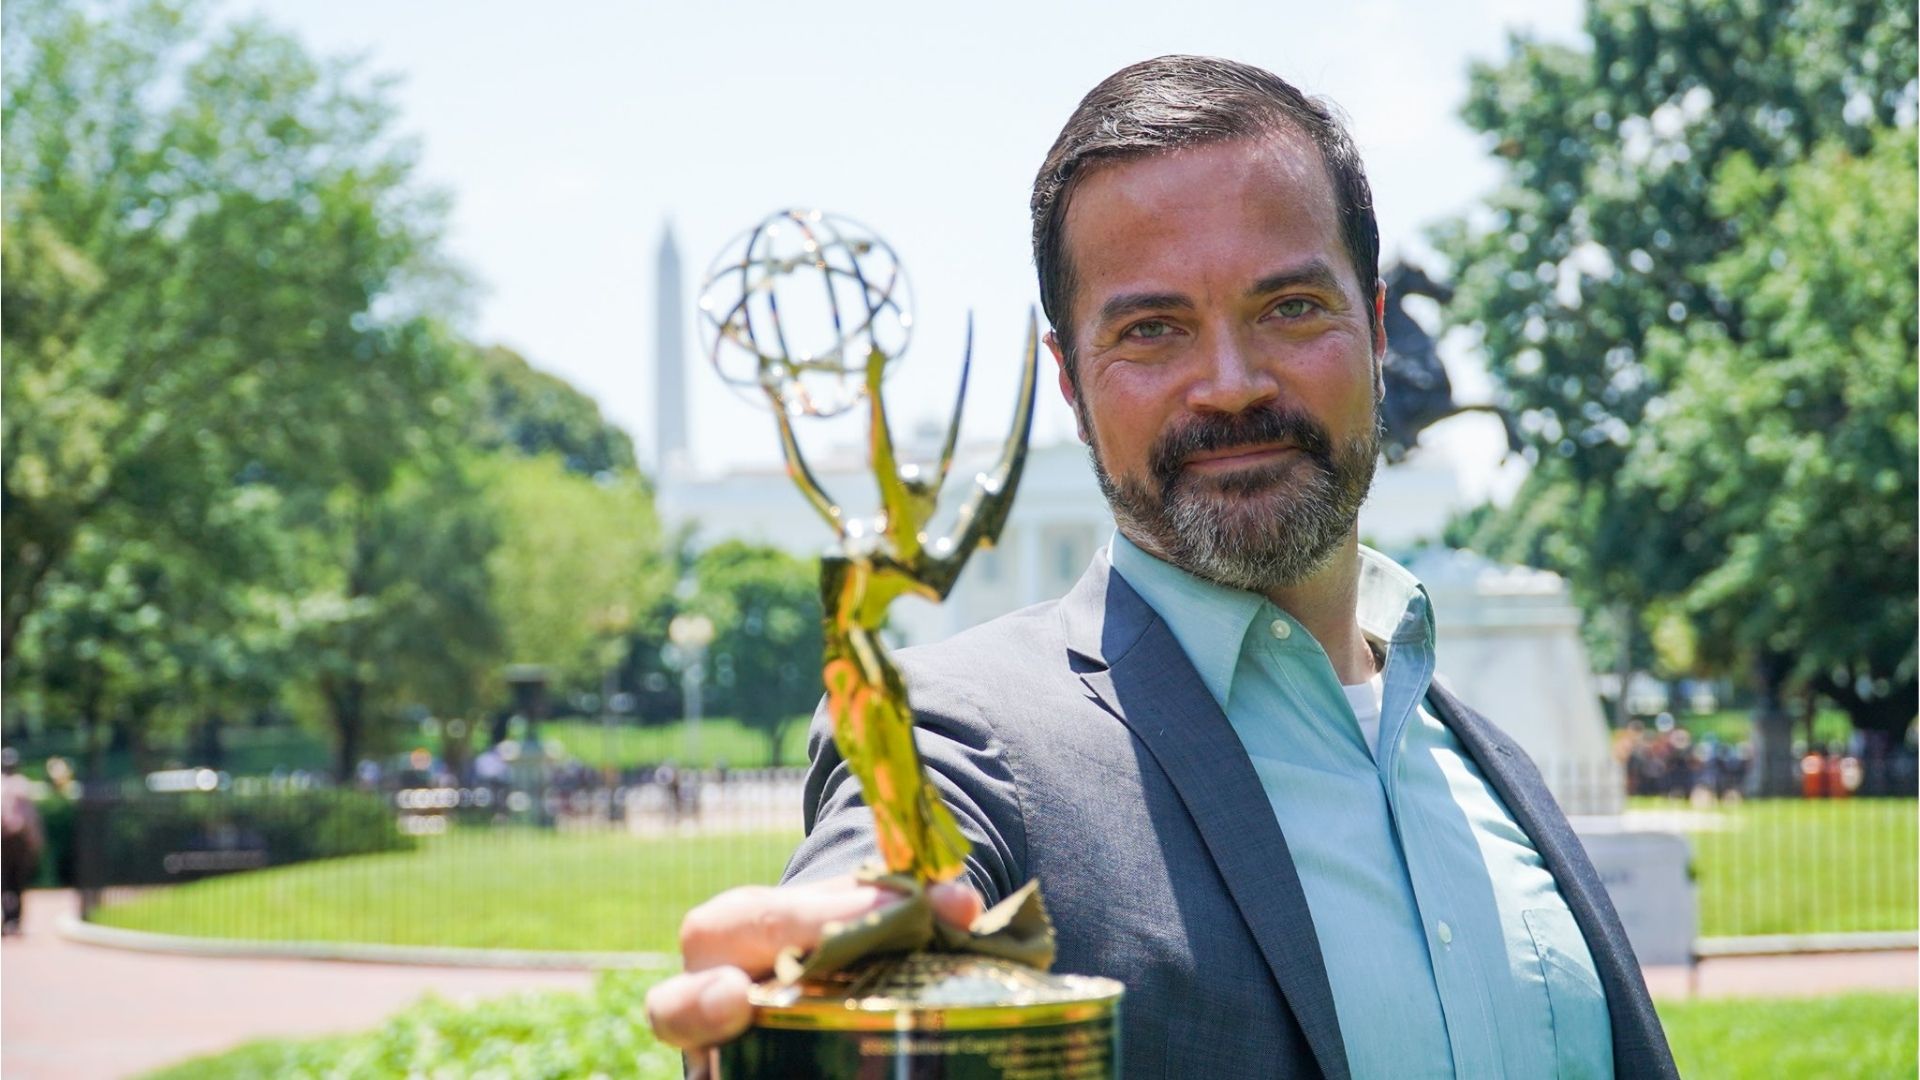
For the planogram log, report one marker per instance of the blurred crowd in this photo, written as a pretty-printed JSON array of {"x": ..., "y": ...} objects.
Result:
[
  {"x": 514, "y": 778},
  {"x": 1665, "y": 759},
  {"x": 1662, "y": 758}
]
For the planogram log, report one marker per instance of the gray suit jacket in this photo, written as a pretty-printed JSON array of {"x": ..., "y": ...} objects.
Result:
[{"x": 1076, "y": 744}]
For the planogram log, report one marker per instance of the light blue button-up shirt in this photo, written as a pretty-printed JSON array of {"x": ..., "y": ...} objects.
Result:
[{"x": 1448, "y": 946}]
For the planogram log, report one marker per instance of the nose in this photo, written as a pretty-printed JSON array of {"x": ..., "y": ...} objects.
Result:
[{"x": 1232, "y": 378}]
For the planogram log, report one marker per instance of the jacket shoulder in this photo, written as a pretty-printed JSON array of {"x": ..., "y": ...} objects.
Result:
[{"x": 1028, "y": 639}]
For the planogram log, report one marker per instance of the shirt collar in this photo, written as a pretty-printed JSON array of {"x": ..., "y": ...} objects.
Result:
[
  {"x": 1211, "y": 621},
  {"x": 1208, "y": 620},
  {"x": 1393, "y": 607}
]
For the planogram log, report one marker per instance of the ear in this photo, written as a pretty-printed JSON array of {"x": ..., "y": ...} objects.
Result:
[
  {"x": 1379, "y": 341},
  {"x": 1066, "y": 384}
]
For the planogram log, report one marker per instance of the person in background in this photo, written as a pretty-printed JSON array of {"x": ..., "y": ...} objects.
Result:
[{"x": 21, "y": 838}]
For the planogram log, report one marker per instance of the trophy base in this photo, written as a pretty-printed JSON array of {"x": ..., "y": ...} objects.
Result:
[{"x": 954, "y": 1016}]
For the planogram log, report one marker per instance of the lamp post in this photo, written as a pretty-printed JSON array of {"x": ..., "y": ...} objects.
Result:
[{"x": 690, "y": 635}]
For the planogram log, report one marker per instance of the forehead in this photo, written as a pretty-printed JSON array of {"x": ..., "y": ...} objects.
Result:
[{"x": 1247, "y": 206}]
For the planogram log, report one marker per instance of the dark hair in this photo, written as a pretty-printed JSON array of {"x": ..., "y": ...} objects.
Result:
[{"x": 1173, "y": 102}]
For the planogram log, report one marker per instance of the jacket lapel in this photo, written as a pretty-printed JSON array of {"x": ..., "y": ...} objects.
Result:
[
  {"x": 1639, "y": 1047},
  {"x": 1134, "y": 667}
]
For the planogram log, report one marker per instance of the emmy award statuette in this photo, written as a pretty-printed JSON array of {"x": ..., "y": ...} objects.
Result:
[{"x": 807, "y": 311}]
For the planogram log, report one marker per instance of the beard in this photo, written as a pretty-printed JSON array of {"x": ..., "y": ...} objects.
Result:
[{"x": 1260, "y": 528}]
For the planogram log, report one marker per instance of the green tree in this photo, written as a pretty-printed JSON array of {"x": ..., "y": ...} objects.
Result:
[
  {"x": 1600, "y": 237},
  {"x": 215, "y": 265},
  {"x": 133, "y": 642},
  {"x": 579, "y": 564},
  {"x": 1604, "y": 220},
  {"x": 219, "y": 286},
  {"x": 766, "y": 652},
  {"x": 396, "y": 609},
  {"x": 1785, "y": 450},
  {"x": 534, "y": 412}
]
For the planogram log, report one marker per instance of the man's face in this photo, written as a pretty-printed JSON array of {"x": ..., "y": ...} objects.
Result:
[{"x": 1228, "y": 358}]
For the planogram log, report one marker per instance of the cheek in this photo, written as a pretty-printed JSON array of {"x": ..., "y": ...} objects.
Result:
[
  {"x": 1337, "y": 379},
  {"x": 1128, "y": 410}
]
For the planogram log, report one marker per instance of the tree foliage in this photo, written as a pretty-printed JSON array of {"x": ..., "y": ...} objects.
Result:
[
  {"x": 1632, "y": 285},
  {"x": 395, "y": 608},
  {"x": 233, "y": 427},
  {"x": 766, "y": 652},
  {"x": 245, "y": 461},
  {"x": 578, "y": 566},
  {"x": 1605, "y": 220},
  {"x": 533, "y": 412},
  {"x": 211, "y": 241},
  {"x": 1784, "y": 453}
]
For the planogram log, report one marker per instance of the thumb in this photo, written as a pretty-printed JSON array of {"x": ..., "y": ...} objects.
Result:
[{"x": 956, "y": 902}]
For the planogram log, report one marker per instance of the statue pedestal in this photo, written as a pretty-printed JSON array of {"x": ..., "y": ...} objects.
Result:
[
  {"x": 1648, "y": 877},
  {"x": 1509, "y": 645}
]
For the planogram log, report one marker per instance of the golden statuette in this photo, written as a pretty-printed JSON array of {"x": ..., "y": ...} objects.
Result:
[{"x": 807, "y": 311}]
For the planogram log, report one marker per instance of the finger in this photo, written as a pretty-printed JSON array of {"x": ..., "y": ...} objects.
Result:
[
  {"x": 747, "y": 927},
  {"x": 956, "y": 902},
  {"x": 701, "y": 1008}
]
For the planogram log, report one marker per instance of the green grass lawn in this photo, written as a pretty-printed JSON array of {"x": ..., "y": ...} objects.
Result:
[
  {"x": 1786, "y": 866},
  {"x": 1843, "y": 1037},
  {"x": 1792, "y": 866},
  {"x": 722, "y": 741},
  {"x": 556, "y": 1036},
  {"x": 502, "y": 888},
  {"x": 1779, "y": 867}
]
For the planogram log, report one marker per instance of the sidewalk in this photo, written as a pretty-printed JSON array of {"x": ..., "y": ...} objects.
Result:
[
  {"x": 81, "y": 1012},
  {"x": 1803, "y": 975}
]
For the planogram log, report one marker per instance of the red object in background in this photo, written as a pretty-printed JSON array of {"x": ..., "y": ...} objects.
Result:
[
  {"x": 1813, "y": 776},
  {"x": 1824, "y": 777}
]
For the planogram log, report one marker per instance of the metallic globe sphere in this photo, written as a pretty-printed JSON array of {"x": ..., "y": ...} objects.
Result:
[{"x": 797, "y": 306}]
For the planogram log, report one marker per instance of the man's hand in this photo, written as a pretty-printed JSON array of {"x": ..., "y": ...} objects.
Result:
[{"x": 731, "y": 940}]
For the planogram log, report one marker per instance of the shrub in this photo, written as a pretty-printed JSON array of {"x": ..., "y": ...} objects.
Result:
[
  {"x": 164, "y": 839},
  {"x": 539, "y": 1036},
  {"x": 56, "y": 860}
]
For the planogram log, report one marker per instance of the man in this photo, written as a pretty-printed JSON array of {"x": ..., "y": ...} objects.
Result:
[
  {"x": 21, "y": 840},
  {"x": 1222, "y": 752}
]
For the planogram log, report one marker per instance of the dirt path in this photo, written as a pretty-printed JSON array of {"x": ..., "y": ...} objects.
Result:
[{"x": 80, "y": 1012}]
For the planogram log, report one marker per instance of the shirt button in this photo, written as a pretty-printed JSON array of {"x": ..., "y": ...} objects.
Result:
[
  {"x": 1281, "y": 628},
  {"x": 1446, "y": 933}
]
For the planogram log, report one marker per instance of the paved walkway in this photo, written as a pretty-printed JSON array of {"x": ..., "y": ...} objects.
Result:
[
  {"x": 80, "y": 1012},
  {"x": 1803, "y": 975}
]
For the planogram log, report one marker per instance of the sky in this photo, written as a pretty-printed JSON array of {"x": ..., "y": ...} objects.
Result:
[{"x": 570, "y": 134}]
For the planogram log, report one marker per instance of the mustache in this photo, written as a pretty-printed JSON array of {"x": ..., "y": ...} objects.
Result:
[{"x": 1263, "y": 425}]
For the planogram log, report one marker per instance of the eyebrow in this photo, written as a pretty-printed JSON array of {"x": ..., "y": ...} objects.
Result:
[
  {"x": 1315, "y": 273},
  {"x": 1119, "y": 307}
]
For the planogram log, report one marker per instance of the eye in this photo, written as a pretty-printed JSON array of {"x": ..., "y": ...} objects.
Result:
[
  {"x": 1148, "y": 330},
  {"x": 1294, "y": 307}
]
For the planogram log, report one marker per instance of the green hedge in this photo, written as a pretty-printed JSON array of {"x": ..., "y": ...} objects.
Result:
[
  {"x": 563, "y": 1036},
  {"x": 134, "y": 835},
  {"x": 535, "y": 1036},
  {"x": 56, "y": 861}
]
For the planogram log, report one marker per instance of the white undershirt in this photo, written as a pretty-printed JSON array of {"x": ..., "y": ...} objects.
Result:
[{"x": 1366, "y": 699}]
